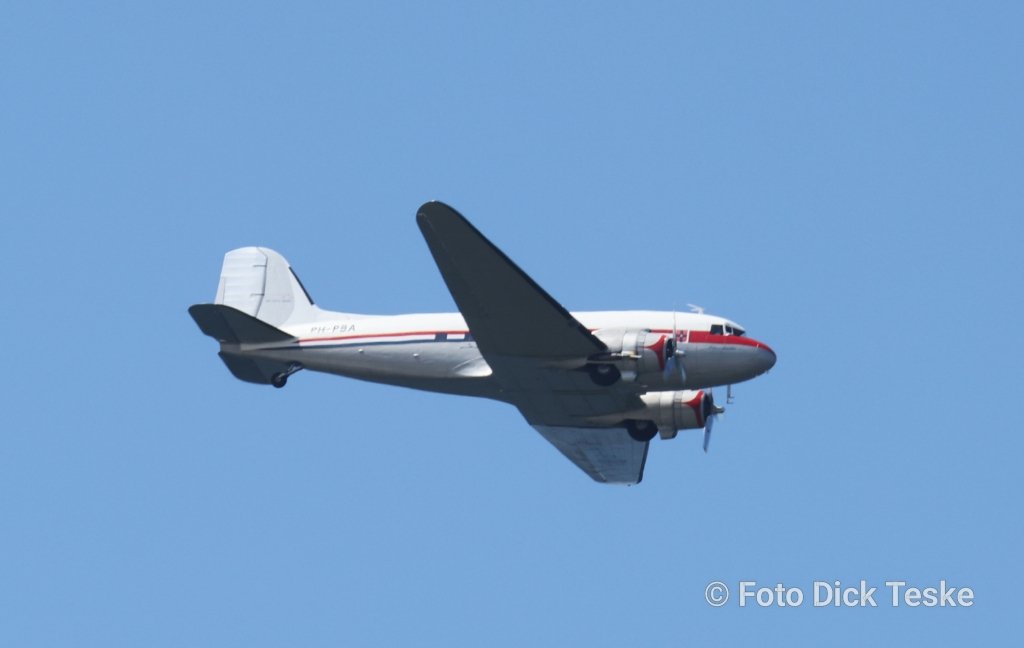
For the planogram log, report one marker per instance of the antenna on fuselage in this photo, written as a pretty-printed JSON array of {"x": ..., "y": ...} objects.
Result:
[{"x": 694, "y": 308}]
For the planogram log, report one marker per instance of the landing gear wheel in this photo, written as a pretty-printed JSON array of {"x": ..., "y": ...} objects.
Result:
[
  {"x": 604, "y": 375},
  {"x": 641, "y": 431},
  {"x": 280, "y": 379}
]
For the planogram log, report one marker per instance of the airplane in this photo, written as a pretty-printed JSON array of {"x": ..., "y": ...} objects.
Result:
[{"x": 599, "y": 386}]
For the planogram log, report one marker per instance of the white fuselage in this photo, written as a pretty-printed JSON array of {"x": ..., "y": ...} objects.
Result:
[{"x": 436, "y": 352}]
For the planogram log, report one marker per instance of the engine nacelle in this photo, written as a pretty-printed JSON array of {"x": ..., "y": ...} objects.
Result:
[
  {"x": 676, "y": 410},
  {"x": 669, "y": 411},
  {"x": 635, "y": 352}
]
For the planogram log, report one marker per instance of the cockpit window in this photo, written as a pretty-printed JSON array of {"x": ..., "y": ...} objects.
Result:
[{"x": 726, "y": 329}]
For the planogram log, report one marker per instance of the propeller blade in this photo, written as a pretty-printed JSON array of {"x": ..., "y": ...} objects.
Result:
[
  {"x": 673, "y": 364},
  {"x": 707, "y": 431},
  {"x": 711, "y": 412}
]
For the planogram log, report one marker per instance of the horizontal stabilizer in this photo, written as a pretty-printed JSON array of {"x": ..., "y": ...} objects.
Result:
[
  {"x": 232, "y": 326},
  {"x": 254, "y": 370}
]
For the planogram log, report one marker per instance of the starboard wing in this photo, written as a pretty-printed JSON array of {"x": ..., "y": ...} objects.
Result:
[
  {"x": 508, "y": 313},
  {"x": 535, "y": 347}
]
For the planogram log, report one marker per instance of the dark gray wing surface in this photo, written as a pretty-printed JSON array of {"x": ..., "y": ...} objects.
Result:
[
  {"x": 508, "y": 313},
  {"x": 535, "y": 348}
]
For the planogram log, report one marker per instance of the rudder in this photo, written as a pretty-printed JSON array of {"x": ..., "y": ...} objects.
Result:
[{"x": 259, "y": 282}]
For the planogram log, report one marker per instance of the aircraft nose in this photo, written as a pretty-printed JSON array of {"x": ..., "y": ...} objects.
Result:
[{"x": 764, "y": 357}]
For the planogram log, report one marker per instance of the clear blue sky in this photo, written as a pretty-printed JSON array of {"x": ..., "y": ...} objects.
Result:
[{"x": 843, "y": 179}]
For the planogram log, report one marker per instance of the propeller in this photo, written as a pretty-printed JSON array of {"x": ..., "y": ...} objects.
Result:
[
  {"x": 673, "y": 364},
  {"x": 710, "y": 411}
]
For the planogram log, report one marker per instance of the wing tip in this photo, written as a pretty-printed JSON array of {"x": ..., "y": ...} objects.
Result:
[
  {"x": 435, "y": 214},
  {"x": 435, "y": 209}
]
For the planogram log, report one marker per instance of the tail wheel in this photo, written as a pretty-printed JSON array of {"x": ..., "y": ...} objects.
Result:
[
  {"x": 641, "y": 431},
  {"x": 280, "y": 379}
]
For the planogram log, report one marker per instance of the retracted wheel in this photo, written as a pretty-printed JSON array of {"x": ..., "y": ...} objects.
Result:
[
  {"x": 641, "y": 430},
  {"x": 604, "y": 375}
]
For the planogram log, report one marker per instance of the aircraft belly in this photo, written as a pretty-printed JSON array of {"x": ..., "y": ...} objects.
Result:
[{"x": 449, "y": 367}]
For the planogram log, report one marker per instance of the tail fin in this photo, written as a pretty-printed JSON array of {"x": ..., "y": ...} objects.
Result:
[{"x": 259, "y": 282}]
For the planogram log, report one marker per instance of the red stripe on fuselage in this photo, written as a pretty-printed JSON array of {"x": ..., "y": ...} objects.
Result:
[
  {"x": 694, "y": 337},
  {"x": 380, "y": 335},
  {"x": 705, "y": 337}
]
